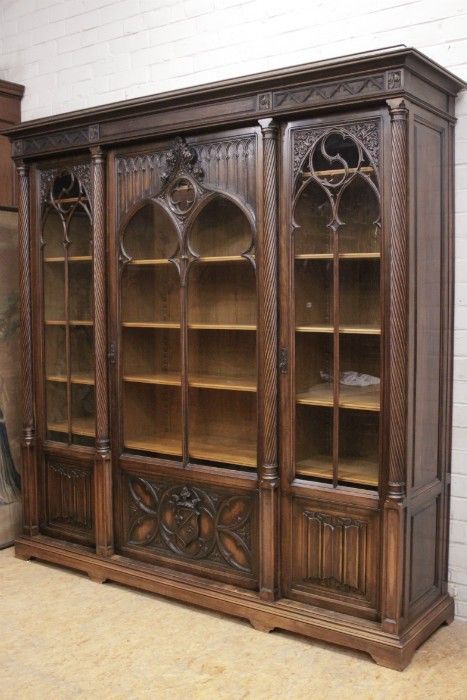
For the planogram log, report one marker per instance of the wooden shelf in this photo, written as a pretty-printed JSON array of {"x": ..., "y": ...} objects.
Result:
[
  {"x": 221, "y": 327},
  {"x": 70, "y": 323},
  {"x": 357, "y": 329},
  {"x": 216, "y": 449},
  {"x": 207, "y": 448},
  {"x": 352, "y": 471},
  {"x": 339, "y": 171},
  {"x": 70, "y": 200},
  {"x": 165, "y": 378},
  {"x": 222, "y": 258},
  {"x": 342, "y": 256},
  {"x": 198, "y": 381},
  {"x": 207, "y": 381},
  {"x": 71, "y": 258},
  {"x": 168, "y": 445},
  {"x": 76, "y": 378},
  {"x": 150, "y": 324},
  {"x": 150, "y": 261},
  {"x": 360, "y": 398},
  {"x": 79, "y": 426}
]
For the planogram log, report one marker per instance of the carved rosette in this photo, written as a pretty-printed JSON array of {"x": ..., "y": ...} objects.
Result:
[
  {"x": 191, "y": 522},
  {"x": 398, "y": 301}
]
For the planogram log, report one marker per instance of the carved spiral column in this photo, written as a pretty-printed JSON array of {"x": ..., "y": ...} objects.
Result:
[
  {"x": 103, "y": 470},
  {"x": 29, "y": 473},
  {"x": 395, "y": 504},
  {"x": 398, "y": 297},
  {"x": 269, "y": 471}
]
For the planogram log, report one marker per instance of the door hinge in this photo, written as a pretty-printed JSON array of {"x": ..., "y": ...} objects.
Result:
[
  {"x": 283, "y": 360},
  {"x": 112, "y": 353}
]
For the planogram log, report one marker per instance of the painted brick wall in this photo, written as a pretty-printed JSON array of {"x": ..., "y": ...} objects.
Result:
[{"x": 72, "y": 54}]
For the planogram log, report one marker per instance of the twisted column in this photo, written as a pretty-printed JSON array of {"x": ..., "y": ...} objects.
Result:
[
  {"x": 398, "y": 301},
  {"x": 29, "y": 473},
  {"x": 103, "y": 470},
  {"x": 268, "y": 469}
]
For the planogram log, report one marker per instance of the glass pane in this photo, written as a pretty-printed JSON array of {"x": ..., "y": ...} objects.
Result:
[
  {"x": 54, "y": 291},
  {"x": 313, "y": 444},
  {"x": 151, "y": 294},
  {"x": 150, "y": 307},
  {"x": 55, "y": 352},
  {"x": 53, "y": 234},
  {"x": 150, "y": 235},
  {"x": 79, "y": 233},
  {"x": 82, "y": 354},
  {"x": 223, "y": 427},
  {"x": 314, "y": 371},
  {"x": 83, "y": 414},
  {"x": 152, "y": 419},
  {"x": 359, "y": 295},
  {"x": 220, "y": 230},
  {"x": 313, "y": 295},
  {"x": 358, "y": 447},
  {"x": 359, "y": 386},
  {"x": 80, "y": 291},
  {"x": 359, "y": 210},
  {"x": 312, "y": 216},
  {"x": 222, "y": 317},
  {"x": 57, "y": 416}
]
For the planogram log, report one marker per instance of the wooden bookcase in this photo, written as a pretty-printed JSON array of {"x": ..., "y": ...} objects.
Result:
[{"x": 237, "y": 346}]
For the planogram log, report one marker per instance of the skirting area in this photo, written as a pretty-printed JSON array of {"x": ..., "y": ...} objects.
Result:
[{"x": 63, "y": 636}]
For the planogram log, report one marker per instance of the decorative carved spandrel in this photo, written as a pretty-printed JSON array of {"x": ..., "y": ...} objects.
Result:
[{"x": 195, "y": 524}]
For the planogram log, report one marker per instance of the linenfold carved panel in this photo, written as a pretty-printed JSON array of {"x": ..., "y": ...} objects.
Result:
[
  {"x": 193, "y": 523},
  {"x": 335, "y": 552},
  {"x": 69, "y": 498}
]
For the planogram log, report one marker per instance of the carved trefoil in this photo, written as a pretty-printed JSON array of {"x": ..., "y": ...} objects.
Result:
[{"x": 335, "y": 552}]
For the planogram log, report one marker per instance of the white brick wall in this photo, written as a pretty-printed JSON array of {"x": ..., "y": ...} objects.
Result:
[{"x": 72, "y": 54}]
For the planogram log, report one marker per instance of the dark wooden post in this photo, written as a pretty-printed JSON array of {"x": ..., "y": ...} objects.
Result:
[
  {"x": 103, "y": 465},
  {"x": 395, "y": 503},
  {"x": 268, "y": 469},
  {"x": 28, "y": 444}
]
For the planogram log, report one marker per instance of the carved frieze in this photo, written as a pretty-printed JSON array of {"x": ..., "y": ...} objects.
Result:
[
  {"x": 191, "y": 522},
  {"x": 329, "y": 92}
]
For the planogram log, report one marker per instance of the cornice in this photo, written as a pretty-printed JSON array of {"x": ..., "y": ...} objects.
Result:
[{"x": 351, "y": 80}]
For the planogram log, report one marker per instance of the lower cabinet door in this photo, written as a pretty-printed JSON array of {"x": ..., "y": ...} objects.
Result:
[
  {"x": 185, "y": 524},
  {"x": 67, "y": 503},
  {"x": 333, "y": 557}
]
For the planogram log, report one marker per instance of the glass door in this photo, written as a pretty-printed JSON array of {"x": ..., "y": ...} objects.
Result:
[
  {"x": 68, "y": 313},
  {"x": 188, "y": 330},
  {"x": 336, "y": 271}
]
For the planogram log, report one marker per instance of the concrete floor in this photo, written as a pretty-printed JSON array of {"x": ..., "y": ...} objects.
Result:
[{"x": 62, "y": 636}]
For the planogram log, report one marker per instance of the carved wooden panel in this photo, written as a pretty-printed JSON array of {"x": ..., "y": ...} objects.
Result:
[
  {"x": 334, "y": 552},
  {"x": 193, "y": 523},
  {"x": 226, "y": 164},
  {"x": 424, "y": 548},
  {"x": 69, "y": 499}
]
